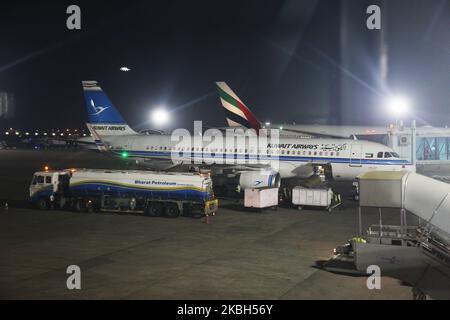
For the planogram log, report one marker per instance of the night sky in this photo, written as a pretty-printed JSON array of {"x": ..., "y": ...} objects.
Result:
[{"x": 287, "y": 60}]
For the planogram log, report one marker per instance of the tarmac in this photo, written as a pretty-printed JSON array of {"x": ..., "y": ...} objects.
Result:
[{"x": 239, "y": 255}]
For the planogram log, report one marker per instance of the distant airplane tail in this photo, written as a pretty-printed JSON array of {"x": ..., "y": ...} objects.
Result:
[
  {"x": 237, "y": 113},
  {"x": 102, "y": 114}
]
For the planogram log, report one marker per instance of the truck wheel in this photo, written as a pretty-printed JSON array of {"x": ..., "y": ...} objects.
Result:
[
  {"x": 41, "y": 204},
  {"x": 154, "y": 210},
  {"x": 90, "y": 208},
  {"x": 196, "y": 215},
  {"x": 79, "y": 206},
  {"x": 172, "y": 211}
]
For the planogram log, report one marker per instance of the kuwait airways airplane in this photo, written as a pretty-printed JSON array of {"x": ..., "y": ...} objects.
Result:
[{"x": 258, "y": 164}]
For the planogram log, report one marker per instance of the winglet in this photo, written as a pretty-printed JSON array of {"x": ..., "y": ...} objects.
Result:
[{"x": 101, "y": 146}]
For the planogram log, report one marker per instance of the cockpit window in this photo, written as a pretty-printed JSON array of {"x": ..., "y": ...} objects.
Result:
[
  {"x": 395, "y": 155},
  {"x": 387, "y": 155},
  {"x": 380, "y": 154}
]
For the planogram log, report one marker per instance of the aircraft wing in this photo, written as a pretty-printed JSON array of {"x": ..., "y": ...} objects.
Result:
[
  {"x": 61, "y": 139},
  {"x": 320, "y": 162},
  {"x": 240, "y": 167}
]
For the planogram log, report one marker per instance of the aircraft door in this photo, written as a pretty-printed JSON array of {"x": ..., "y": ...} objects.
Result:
[{"x": 356, "y": 153}]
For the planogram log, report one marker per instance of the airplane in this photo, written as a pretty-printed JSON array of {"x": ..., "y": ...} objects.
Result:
[
  {"x": 345, "y": 158},
  {"x": 236, "y": 118}
]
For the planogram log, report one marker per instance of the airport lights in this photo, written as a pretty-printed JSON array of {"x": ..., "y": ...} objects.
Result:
[
  {"x": 398, "y": 106},
  {"x": 160, "y": 117}
]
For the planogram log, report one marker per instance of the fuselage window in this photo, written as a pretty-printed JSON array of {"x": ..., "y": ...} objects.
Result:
[
  {"x": 320, "y": 153},
  {"x": 369, "y": 155},
  {"x": 331, "y": 153},
  {"x": 337, "y": 154},
  {"x": 315, "y": 153}
]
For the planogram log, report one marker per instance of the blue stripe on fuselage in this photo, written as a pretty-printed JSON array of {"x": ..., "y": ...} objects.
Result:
[{"x": 167, "y": 155}]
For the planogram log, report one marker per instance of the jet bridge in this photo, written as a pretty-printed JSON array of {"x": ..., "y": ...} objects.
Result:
[
  {"x": 417, "y": 254},
  {"x": 427, "y": 198}
]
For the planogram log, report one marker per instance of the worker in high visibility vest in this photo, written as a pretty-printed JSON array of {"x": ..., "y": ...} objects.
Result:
[
  {"x": 336, "y": 198},
  {"x": 238, "y": 192},
  {"x": 359, "y": 239}
]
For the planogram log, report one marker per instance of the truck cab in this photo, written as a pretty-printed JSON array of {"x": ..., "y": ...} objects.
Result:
[{"x": 46, "y": 184}]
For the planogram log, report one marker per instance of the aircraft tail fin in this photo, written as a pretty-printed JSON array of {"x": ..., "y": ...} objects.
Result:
[
  {"x": 237, "y": 113},
  {"x": 102, "y": 114}
]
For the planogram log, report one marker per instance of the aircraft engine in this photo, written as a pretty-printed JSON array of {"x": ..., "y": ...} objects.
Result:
[{"x": 257, "y": 179}]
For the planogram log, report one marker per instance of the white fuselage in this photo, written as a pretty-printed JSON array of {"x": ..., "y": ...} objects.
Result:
[{"x": 347, "y": 158}]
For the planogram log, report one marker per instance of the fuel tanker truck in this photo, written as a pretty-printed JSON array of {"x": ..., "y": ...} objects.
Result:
[{"x": 146, "y": 192}]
